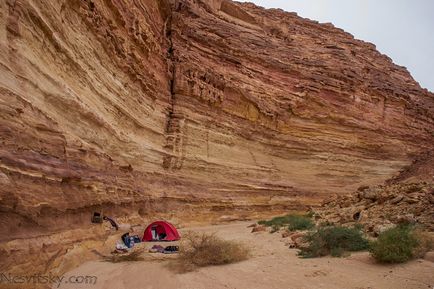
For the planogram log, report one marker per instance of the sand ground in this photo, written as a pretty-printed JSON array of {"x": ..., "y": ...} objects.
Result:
[{"x": 272, "y": 265}]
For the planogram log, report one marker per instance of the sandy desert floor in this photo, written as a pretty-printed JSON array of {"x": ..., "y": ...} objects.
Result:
[{"x": 272, "y": 265}]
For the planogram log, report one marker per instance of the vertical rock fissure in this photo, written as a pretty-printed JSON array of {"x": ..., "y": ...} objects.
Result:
[{"x": 173, "y": 146}]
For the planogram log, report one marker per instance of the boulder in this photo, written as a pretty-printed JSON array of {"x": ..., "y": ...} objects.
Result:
[
  {"x": 369, "y": 195},
  {"x": 406, "y": 219},
  {"x": 298, "y": 239}
]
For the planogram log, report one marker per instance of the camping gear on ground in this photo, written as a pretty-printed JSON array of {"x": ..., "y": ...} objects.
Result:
[
  {"x": 122, "y": 247},
  {"x": 161, "y": 249},
  {"x": 97, "y": 218},
  {"x": 161, "y": 231},
  {"x": 112, "y": 222},
  {"x": 119, "y": 251},
  {"x": 136, "y": 239},
  {"x": 171, "y": 249},
  {"x": 128, "y": 240},
  {"x": 156, "y": 249}
]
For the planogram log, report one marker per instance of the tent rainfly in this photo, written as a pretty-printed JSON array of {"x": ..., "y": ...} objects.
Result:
[{"x": 161, "y": 231}]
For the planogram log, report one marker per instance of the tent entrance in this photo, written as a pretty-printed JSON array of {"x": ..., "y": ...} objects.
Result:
[{"x": 158, "y": 233}]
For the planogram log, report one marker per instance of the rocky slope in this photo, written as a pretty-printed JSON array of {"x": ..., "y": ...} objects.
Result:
[
  {"x": 382, "y": 207},
  {"x": 407, "y": 198},
  {"x": 191, "y": 110}
]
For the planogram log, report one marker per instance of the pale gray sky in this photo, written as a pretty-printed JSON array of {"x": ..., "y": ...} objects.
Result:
[{"x": 402, "y": 29}]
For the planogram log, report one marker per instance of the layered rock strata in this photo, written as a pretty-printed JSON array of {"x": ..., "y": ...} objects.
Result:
[{"x": 190, "y": 110}]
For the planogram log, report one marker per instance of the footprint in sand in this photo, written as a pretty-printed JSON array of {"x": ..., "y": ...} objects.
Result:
[{"x": 316, "y": 274}]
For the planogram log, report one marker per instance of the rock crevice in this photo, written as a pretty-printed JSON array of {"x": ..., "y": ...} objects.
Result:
[{"x": 175, "y": 121}]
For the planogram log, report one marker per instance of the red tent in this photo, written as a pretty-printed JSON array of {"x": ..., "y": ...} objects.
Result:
[{"x": 161, "y": 231}]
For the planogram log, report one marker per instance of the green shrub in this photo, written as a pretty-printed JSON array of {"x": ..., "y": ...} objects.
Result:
[
  {"x": 300, "y": 223},
  {"x": 400, "y": 244},
  {"x": 333, "y": 240},
  {"x": 293, "y": 222},
  {"x": 275, "y": 222}
]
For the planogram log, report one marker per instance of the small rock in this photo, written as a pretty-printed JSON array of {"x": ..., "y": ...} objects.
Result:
[
  {"x": 383, "y": 197},
  {"x": 298, "y": 239},
  {"x": 259, "y": 228},
  {"x": 411, "y": 200},
  {"x": 4, "y": 179},
  {"x": 397, "y": 199},
  {"x": 431, "y": 198},
  {"x": 346, "y": 204}
]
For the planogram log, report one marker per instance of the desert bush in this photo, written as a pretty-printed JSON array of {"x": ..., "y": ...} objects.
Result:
[
  {"x": 333, "y": 240},
  {"x": 401, "y": 244},
  {"x": 200, "y": 250},
  {"x": 293, "y": 222}
]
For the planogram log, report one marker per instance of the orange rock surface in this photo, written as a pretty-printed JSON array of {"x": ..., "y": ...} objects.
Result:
[{"x": 191, "y": 110}]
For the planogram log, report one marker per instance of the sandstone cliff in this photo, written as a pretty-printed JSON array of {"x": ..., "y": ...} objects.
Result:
[{"x": 194, "y": 110}]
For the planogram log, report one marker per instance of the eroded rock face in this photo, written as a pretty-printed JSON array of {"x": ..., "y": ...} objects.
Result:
[{"x": 190, "y": 110}]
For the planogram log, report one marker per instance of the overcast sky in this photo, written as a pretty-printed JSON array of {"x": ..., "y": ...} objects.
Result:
[{"x": 402, "y": 29}]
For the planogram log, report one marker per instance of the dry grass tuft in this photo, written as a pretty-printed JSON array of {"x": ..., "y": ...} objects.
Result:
[
  {"x": 201, "y": 250},
  {"x": 133, "y": 256},
  {"x": 425, "y": 243}
]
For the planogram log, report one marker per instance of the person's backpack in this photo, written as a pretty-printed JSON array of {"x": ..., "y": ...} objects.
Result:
[
  {"x": 97, "y": 218},
  {"x": 126, "y": 239},
  {"x": 112, "y": 222}
]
